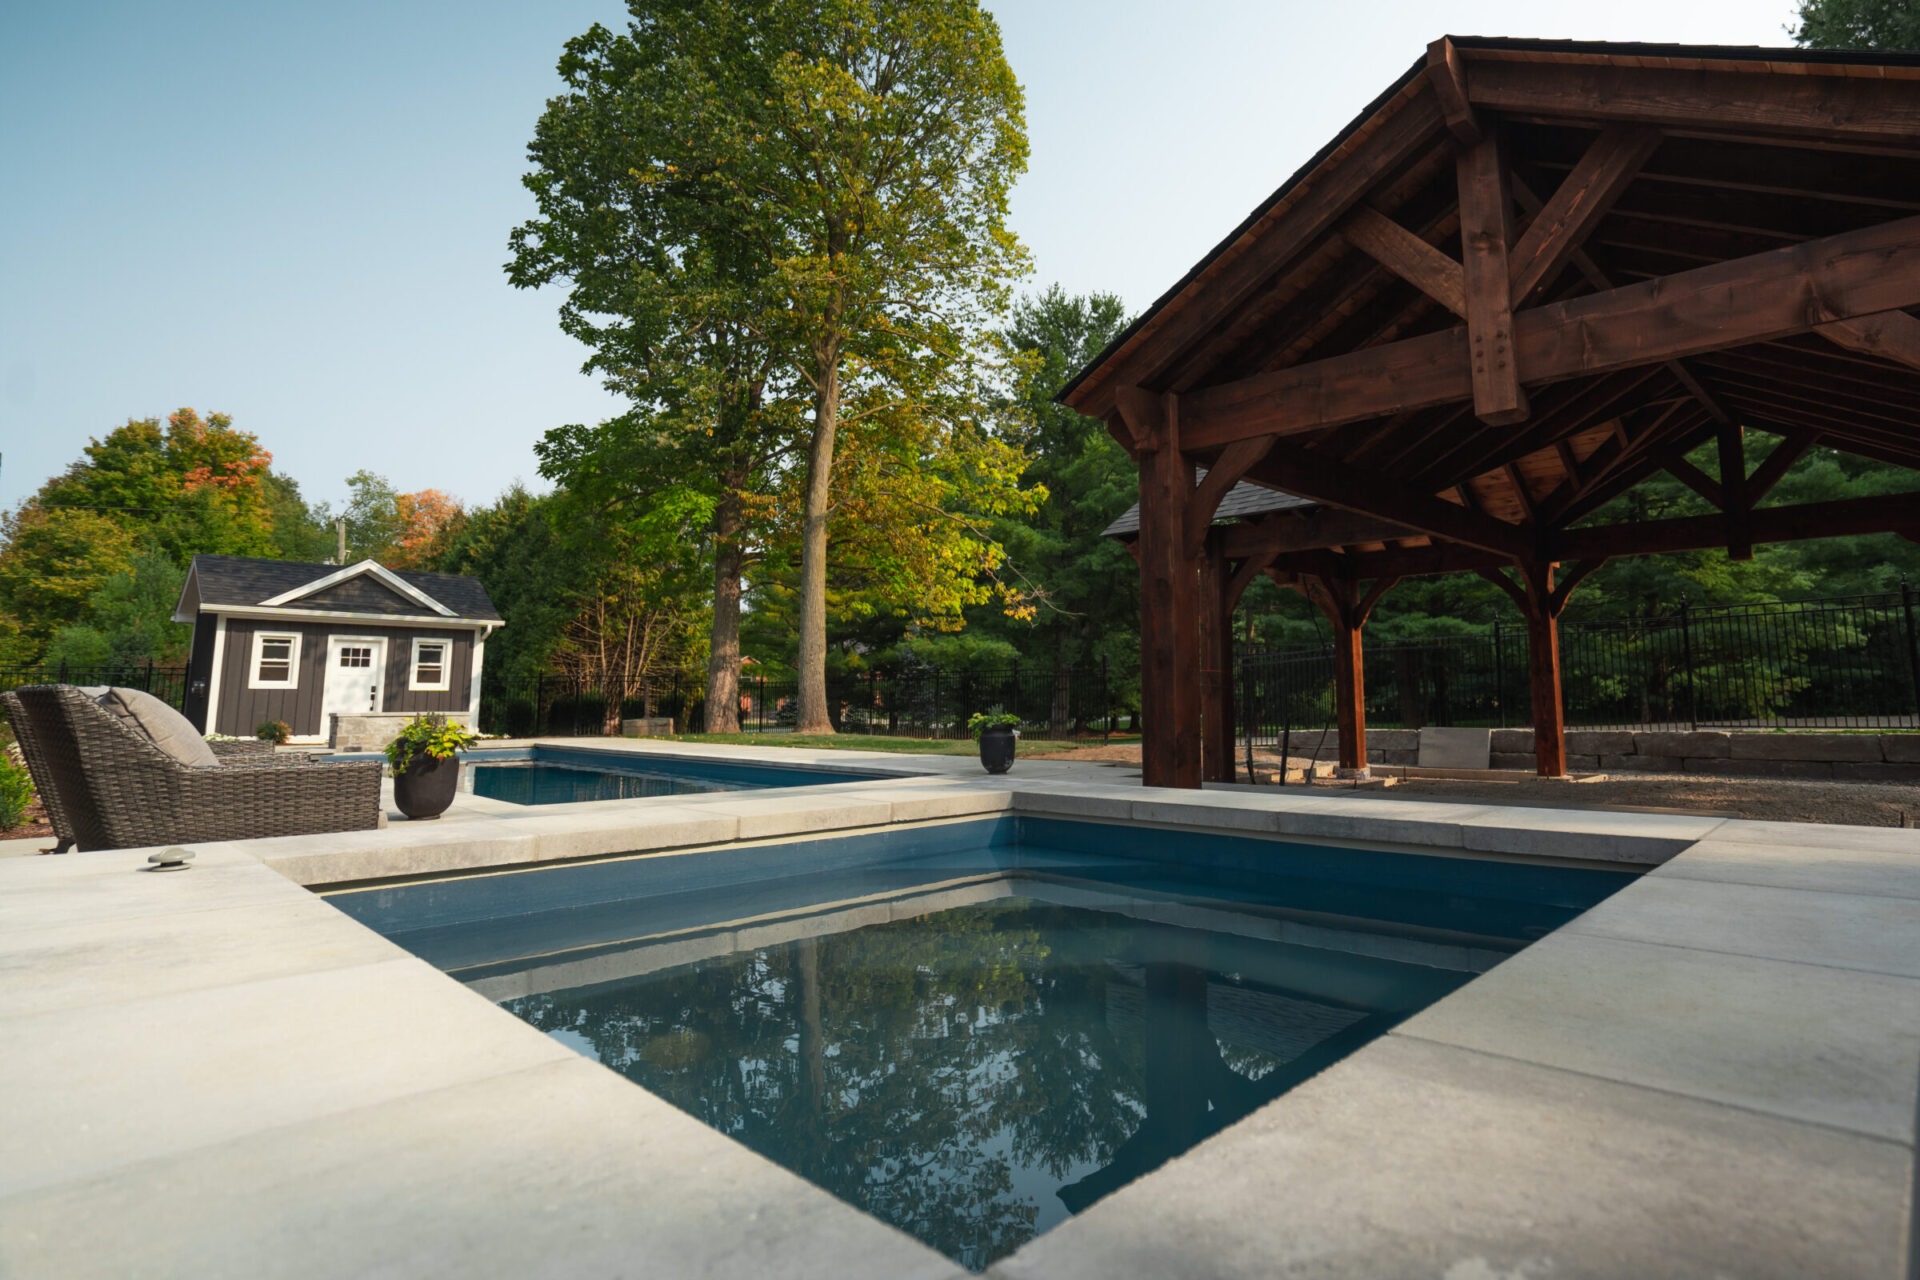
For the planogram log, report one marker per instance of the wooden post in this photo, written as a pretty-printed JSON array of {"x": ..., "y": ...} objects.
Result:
[
  {"x": 1169, "y": 603},
  {"x": 1216, "y": 663},
  {"x": 1486, "y": 233},
  {"x": 1543, "y": 664},
  {"x": 1337, "y": 599}
]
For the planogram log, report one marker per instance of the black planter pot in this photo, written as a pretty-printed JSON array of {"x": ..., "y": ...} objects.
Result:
[
  {"x": 426, "y": 788},
  {"x": 996, "y": 749}
]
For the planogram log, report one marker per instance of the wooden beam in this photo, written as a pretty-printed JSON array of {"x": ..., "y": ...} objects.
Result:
[
  {"x": 1842, "y": 109},
  {"x": 1789, "y": 451},
  {"x": 1169, "y": 608},
  {"x": 1697, "y": 480},
  {"x": 1144, "y": 414},
  {"x": 1543, "y": 673},
  {"x": 1216, "y": 666},
  {"x": 1728, "y": 304},
  {"x": 1326, "y": 480},
  {"x": 1447, "y": 73},
  {"x": 1225, "y": 472},
  {"x": 1486, "y": 231},
  {"x": 1364, "y": 609},
  {"x": 1336, "y": 599},
  {"x": 1583, "y": 198},
  {"x": 1326, "y": 527},
  {"x": 1847, "y": 517},
  {"x": 1564, "y": 589},
  {"x": 1407, "y": 256},
  {"x": 1891, "y": 335},
  {"x": 1252, "y": 566},
  {"x": 1733, "y": 484}
]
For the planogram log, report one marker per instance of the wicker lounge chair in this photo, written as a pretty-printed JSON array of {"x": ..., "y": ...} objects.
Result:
[{"x": 106, "y": 786}]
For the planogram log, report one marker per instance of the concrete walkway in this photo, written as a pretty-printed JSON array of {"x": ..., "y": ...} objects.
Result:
[{"x": 1713, "y": 1073}]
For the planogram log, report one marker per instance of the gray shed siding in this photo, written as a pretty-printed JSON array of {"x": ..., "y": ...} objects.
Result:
[
  {"x": 200, "y": 670},
  {"x": 360, "y": 595},
  {"x": 241, "y": 710}
]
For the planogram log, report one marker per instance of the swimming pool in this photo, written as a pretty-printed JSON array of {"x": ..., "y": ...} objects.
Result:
[
  {"x": 560, "y": 775},
  {"x": 974, "y": 1029}
]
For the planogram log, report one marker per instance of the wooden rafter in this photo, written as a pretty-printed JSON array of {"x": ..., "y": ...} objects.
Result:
[
  {"x": 1326, "y": 481},
  {"x": 1790, "y": 450},
  {"x": 1891, "y": 335},
  {"x": 1448, "y": 76},
  {"x": 1562, "y": 225},
  {"x": 1733, "y": 488},
  {"x": 1407, "y": 256}
]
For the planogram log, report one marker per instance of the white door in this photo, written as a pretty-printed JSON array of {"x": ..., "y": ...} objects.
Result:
[{"x": 355, "y": 666}]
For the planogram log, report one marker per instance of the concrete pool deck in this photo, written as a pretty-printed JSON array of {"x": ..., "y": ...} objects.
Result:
[{"x": 1712, "y": 1073}]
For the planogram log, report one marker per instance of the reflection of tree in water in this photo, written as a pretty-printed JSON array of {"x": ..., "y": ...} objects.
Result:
[{"x": 899, "y": 1066}]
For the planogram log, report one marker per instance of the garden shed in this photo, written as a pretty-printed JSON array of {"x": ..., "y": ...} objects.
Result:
[
  {"x": 340, "y": 655},
  {"x": 1528, "y": 277}
]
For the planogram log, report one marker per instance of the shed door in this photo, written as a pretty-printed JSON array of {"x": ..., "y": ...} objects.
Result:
[{"x": 354, "y": 667}]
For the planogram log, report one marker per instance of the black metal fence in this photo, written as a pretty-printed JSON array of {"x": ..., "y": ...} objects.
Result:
[
  {"x": 169, "y": 684},
  {"x": 915, "y": 701},
  {"x": 1849, "y": 663}
]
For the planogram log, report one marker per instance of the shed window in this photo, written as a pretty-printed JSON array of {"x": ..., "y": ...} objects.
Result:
[
  {"x": 276, "y": 661},
  {"x": 430, "y": 665}
]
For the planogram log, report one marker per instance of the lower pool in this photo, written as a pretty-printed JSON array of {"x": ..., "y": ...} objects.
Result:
[
  {"x": 561, "y": 775},
  {"x": 975, "y": 1029}
]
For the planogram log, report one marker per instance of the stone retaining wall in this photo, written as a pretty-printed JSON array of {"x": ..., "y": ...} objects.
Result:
[
  {"x": 373, "y": 730},
  {"x": 1846, "y": 757}
]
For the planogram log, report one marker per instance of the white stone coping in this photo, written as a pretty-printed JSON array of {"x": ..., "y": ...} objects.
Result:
[{"x": 1712, "y": 1073}]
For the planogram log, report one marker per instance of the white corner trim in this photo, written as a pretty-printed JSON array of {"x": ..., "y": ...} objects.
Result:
[
  {"x": 293, "y": 660},
  {"x": 364, "y": 568},
  {"x": 216, "y": 673},
  {"x": 473, "y": 684},
  {"x": 414, "y": 684}
]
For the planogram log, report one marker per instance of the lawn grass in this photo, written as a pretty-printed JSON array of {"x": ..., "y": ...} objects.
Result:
[{"x": 883, "y": 742}]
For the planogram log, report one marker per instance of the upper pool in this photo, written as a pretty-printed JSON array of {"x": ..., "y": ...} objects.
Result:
[
  {"x": 564, "y": 775},
  {"x": 975, "y": 1029}
]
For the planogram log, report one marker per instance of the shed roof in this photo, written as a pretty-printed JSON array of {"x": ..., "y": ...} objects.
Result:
[{"x": 244, "y": 582}]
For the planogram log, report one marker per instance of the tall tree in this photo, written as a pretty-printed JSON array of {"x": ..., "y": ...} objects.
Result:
[
  {"x": 1859, "y": 24},
  {"x": 827, "y": 177}
]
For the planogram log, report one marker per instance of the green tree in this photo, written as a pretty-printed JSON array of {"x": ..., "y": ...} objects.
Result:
[
  {"x": 1859, "y": 24},
  {"x": 835, "y": 193},
  {"x": 53, "y": 561},
  {"x": 129, "y": 620}
]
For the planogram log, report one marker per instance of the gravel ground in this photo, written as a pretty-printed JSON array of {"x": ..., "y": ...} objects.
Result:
[{"x": 1862, "y": 804}]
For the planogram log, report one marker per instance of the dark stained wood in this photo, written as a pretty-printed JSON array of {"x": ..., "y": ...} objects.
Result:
[
  {"x": 1891, "y": 335},
  {"x": 1486, "y": 232},
  {"x": 1407, "y": 256},
  {"x": 1570, "y": 214},
  {"x": 1769, "y": 473},
  {"x": 1448, "y": 76},
  {"x": 1729, "y": 304},
  {"x": 1337, "y": 599},
  {"x": 1324, "y": 480},
  {"x": 1169, "y": 605},
  {"x": 1826, "y": 107},
  {"x": 1226, "y": 472},
  {"x": 1246, "y": 570},
  {"x": 1887, "y": 513},
  {"x": 1733, "y": 487},
  {"x": 1697, "y": 480},
  {"x": 1323, "y": 528},
  {"x": 1216, "y": 665},
  {"x": 1543, "y": 673}
]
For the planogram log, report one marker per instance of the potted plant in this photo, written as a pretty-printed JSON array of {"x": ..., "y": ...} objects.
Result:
[
  {"x": 274, "y": 732},
  {"x": 997, "y": 733},
  {"x": 426, "y": 768}
]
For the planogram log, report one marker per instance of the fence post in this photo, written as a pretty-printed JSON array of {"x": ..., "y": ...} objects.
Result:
[
  {"x": 1499, "y": 675},
  {"x": 540, "y": 705},
  {"x": 1286, "y": 719},
  {"x": 1686, "y": 653},
  {"x": 1246, "y": 714},
  {"x": 1913, "y": 645},
  {"x": 934, "y": 728},
  {"x": 63, "y": 671}
]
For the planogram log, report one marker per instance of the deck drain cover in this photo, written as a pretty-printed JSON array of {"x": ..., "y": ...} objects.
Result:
[{"x": 171, "y": 860}]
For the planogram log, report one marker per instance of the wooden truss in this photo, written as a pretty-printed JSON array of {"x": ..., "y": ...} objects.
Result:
[{"x": 1533, "y": 276}]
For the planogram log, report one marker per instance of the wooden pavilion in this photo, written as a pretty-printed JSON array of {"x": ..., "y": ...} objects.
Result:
[{"x": 1529, "y": 276}]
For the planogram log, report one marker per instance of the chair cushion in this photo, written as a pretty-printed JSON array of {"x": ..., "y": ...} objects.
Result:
[{"x": 160, "y": 724}]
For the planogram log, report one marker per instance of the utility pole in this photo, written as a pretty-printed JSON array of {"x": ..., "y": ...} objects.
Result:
[{"x": 340, "y": 534}]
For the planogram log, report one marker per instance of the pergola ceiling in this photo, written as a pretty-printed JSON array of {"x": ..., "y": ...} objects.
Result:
[{"x": 1331, "y": 326}]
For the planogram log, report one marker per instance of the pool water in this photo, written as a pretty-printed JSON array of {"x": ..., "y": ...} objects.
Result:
[
  {"x": 976, "y": 1030},
  {"x": 549, "y": 775}
]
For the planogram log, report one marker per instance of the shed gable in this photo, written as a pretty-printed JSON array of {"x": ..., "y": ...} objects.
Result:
[{"x": 364, "y": 594}]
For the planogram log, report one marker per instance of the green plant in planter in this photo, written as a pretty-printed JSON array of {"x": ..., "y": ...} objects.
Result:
[
  {"x": 275, "y": 731},
  {"x": 429, "y": 735},
  {"x": 981, "y": 721},
  {"x": 16, "y": 792}
]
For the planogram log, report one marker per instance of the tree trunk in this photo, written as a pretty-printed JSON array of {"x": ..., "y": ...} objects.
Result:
[
  {"x": 723, "y": 662},
  {"x": 813, "y": 714}
]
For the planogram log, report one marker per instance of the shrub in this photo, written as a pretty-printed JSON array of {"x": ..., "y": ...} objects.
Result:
[
  {"x": 428, "y": 735},
  {"x": 275, "y": 731},
  {"x": 16, "y": 792}
]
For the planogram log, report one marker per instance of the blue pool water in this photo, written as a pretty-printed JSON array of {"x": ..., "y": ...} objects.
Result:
[
  {"x": 974, "y": 1030},
  {"x": 558, "y": 775}
]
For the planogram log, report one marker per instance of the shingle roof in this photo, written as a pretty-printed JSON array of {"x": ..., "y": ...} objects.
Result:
[
  {"x": 241, "y": 581},
  {"x": 1242, "y": 500}
]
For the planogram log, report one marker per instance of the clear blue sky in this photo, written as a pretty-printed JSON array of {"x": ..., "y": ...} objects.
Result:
[{"x": 298, "y": 213}]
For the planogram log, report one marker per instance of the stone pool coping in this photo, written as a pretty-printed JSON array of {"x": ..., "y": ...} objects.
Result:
[{"x": 1713, "y": 1072}]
